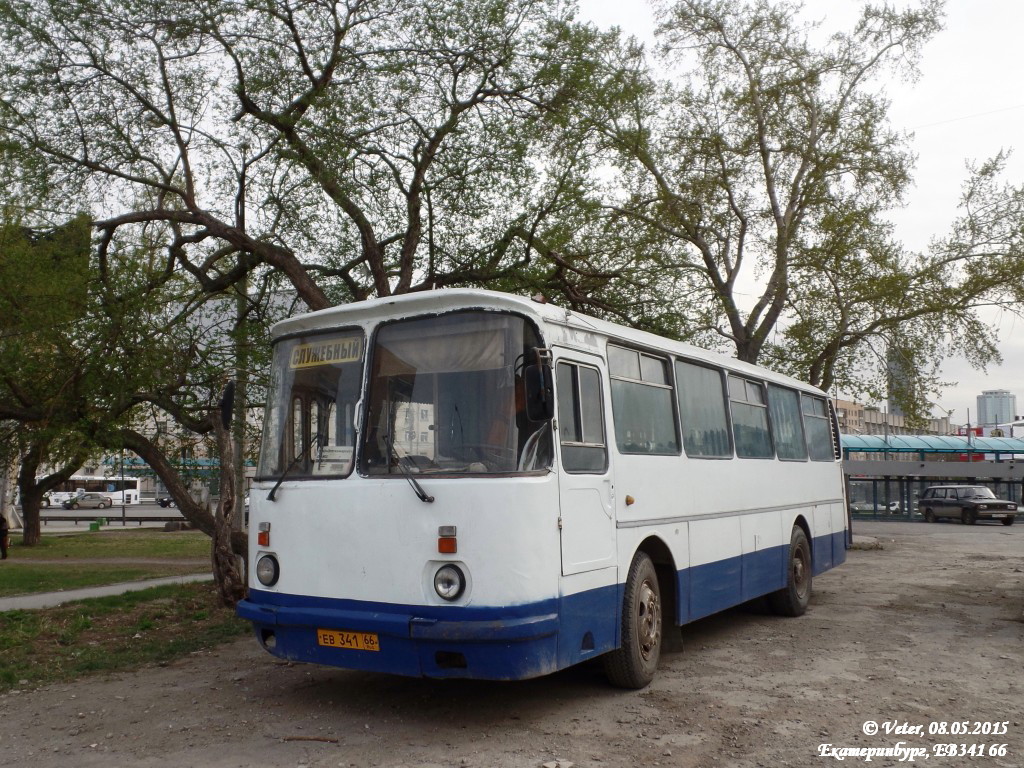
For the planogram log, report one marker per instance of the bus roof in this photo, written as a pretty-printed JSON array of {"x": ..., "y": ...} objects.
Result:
[{"x": 446, "y": 300}]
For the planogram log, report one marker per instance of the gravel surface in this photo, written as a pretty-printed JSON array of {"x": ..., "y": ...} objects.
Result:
[{"x": 924, "y": 631}]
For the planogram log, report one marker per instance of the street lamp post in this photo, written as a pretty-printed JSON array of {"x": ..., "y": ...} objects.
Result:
[{"x": 124, "y": 520}]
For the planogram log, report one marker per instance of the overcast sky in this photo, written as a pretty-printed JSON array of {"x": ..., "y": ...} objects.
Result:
[{"x": 967, "y": 105}]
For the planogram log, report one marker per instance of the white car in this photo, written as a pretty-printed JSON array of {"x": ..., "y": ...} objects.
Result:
[{"x": 893, "y": 507}]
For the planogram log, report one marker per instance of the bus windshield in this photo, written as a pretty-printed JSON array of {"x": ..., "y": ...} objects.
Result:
[
  {"x": 309, "y": 427},
  {"x": 446, "y": 397}
]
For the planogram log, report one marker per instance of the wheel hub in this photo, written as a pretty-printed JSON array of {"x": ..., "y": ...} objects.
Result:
[
  {"x": 649, "y": 624},
  {"x": 800, "y": 572}
]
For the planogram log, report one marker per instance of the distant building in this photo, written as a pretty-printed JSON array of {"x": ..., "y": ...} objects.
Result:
[
  {"x": 857, "y": 419},
  {"x": 996, "y": 406},
  {"x": 851, "y": 417},
  {"x": 902, "y": 380}
]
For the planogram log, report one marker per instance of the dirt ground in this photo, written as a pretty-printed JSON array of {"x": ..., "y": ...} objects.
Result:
[{"x": 926, "y": 630}]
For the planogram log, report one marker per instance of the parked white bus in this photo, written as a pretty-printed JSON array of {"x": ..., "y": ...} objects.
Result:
[
  {"x": 112, "y": 487},
  {"x": 464, "y": 483}
]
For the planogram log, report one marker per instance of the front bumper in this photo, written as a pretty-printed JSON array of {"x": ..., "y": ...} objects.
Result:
[{"x": 505, "y": 643}]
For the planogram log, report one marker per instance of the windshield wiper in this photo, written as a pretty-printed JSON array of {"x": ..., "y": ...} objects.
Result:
[
  {"x": 416, "y": 487},
  {"x": 309, "y": 450}
]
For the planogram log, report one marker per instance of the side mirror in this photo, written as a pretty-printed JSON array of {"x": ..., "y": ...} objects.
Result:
[{"x": 538, "y": 381}]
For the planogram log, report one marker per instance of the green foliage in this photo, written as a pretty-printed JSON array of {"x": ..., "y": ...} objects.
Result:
[
  {"x": 337, "y": 152},
  {"x": 44, "y": 283},
  {"x": 393, "y": 144},
  {"x": 753, "y": 188}
]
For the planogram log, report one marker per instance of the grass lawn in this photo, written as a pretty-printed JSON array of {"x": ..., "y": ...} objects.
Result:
[
  {"x": 112, "y": 634},
  {"x": 88, "y": 559},
  {"x": 115, "y": 543}
]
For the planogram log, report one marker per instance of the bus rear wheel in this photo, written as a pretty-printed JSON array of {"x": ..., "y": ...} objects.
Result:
[
  {"x": 634, "y": 663},
  {"x": 792, "y": 600}
]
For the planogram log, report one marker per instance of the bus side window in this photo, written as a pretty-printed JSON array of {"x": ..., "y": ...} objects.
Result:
[
  {"x": 581, "y": 418},
  {"x": 702, "y": 410},
  {"x": 750, "y": 419},
  {"x": 787, "y": 428},
  {"x": 817, "y": 428},
  {"x": 642, "y": 406}
]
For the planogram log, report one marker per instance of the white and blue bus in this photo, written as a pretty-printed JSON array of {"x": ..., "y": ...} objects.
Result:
[{"x": 464, "y": 483}]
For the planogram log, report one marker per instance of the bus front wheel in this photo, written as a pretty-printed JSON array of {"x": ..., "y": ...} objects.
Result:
[
  {"x": 634, "y": 662},
  {"x": 792, "y": 599}
]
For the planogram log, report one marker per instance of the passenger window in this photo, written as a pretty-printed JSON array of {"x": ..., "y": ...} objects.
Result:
[
  {"x": 750, "y": 419},
  {"x": 818, "y": 429},
  {"x": 702, "y": 410},
  {"x": 581, "y": 418},
  {"x": 624, "y": 362},
  {"x": 642, "y": 403},
  {"x": 787, "y": 428}
]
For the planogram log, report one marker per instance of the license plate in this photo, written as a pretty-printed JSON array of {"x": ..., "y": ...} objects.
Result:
[
  {"x": 1000, "y": 514},
  {"x": 353, "y": 641}
]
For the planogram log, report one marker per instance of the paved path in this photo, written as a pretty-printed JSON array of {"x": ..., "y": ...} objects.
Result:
[{"x": 51, "y": 599}]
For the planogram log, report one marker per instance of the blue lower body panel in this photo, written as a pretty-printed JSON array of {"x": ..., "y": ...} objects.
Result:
[
  {"x": 828, "y": 551},
  {"x": 506, "y": 642}
]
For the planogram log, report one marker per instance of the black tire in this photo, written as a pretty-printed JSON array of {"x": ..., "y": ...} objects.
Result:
[
  {"x": 1008, "y": 520},
  {"x": 74, "y": 505},
  {"x": 792, "y": 600},
  {"x": 108, "y": 503},
  {"x": 634, "y": 663},
  {"x": 967, "y": 517},
  {"x": 929, "y": 516}
]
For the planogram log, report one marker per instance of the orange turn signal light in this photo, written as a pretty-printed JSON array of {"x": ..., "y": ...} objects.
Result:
[
  {"x": 263, "y": 535},
  {"x": 447, "y": 544}
]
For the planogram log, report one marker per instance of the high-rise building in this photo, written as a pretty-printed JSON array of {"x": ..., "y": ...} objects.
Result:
[{"x": 996, "y": 406}]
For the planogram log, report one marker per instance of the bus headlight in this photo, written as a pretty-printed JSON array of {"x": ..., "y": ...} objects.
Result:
[
  {"x": 267, "y": 570},
  {"x": 449, "y": 582}
]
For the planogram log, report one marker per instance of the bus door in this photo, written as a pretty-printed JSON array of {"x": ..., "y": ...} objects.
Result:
[{"x": 586, "y": 489}]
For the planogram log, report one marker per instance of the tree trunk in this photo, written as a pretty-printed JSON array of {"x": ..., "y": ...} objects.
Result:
[
  {"x": 196, "y": 514},
  {"x": 32, "y": 492},
  {"x": 31, "y": 496},
  {"x": 227, "y": 571}
]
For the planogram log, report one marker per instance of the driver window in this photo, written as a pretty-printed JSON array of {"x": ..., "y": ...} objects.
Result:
[{"x": 581, "y": 418}]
